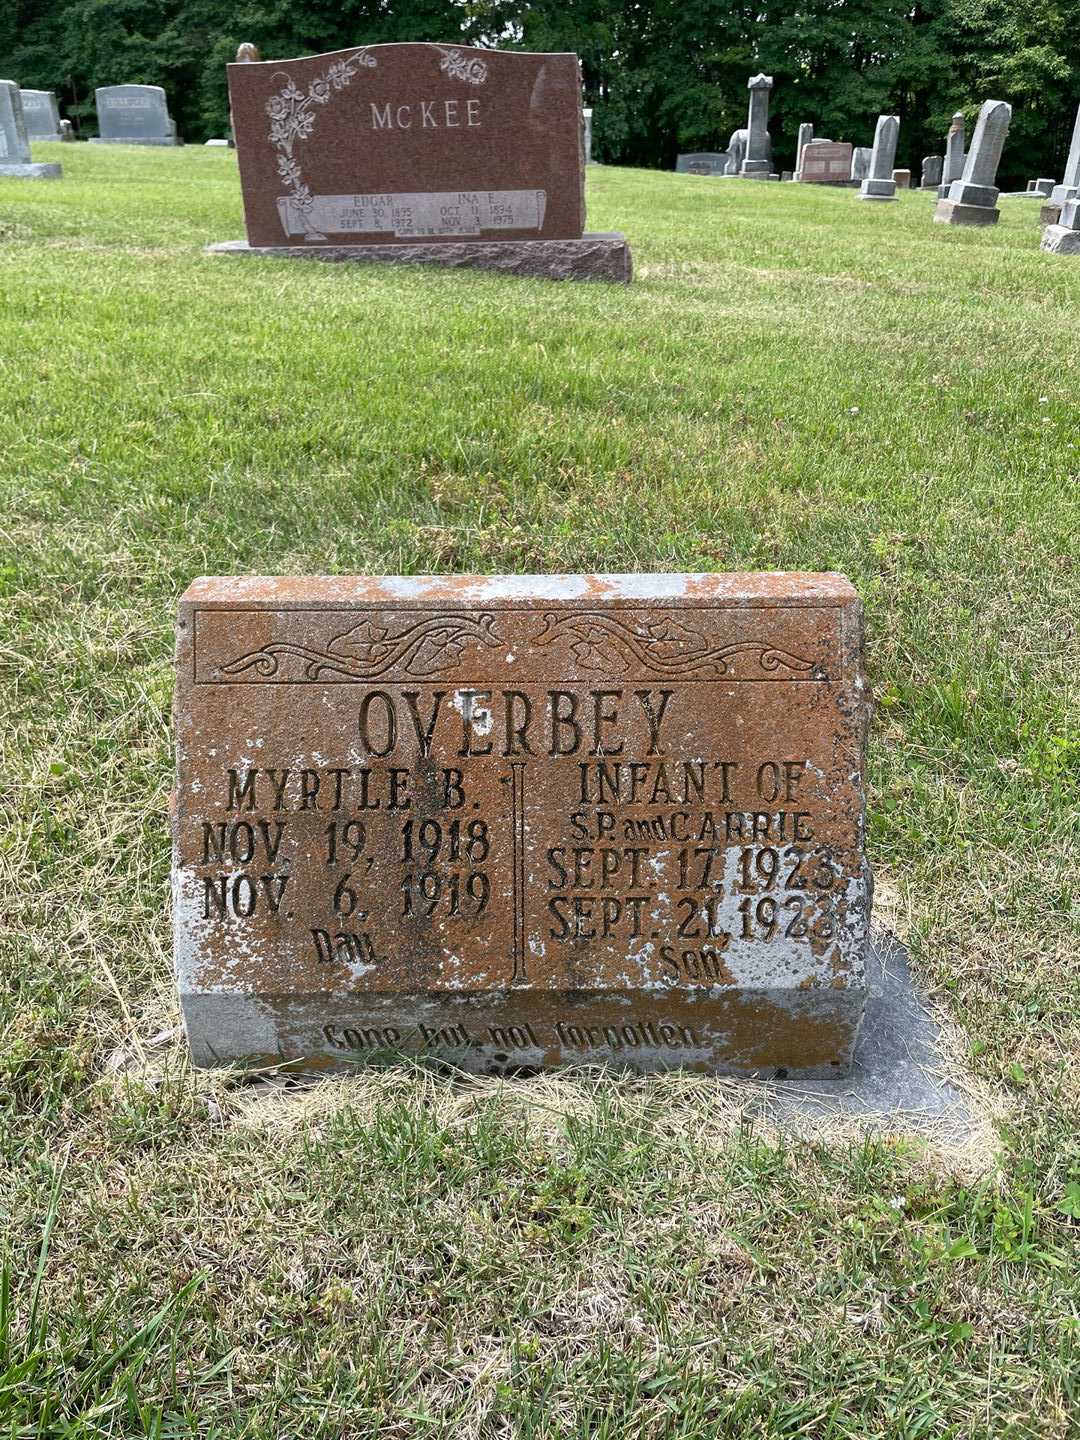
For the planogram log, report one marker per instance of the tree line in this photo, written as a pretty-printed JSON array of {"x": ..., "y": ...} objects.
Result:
[{"x": 663, "y": 76}]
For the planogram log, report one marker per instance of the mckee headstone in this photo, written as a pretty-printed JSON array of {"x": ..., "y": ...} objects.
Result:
[
  {"x": 41, "y": 113},
  {"x": 419, "y": 153},
  {"x": 826, "y": 162},
  {"x": 879, "y": 184},
  {"x": 972, "y": 199},
  {"x": 954, "y": 155},
  {"x": 133, "y": 115},
  {"x": 246, "y": 54},
  {"x": 710, "y": 162},
  {"x": 521, "y": 821},
  {"x": 1069, "y": 189},
  {"x": 15, "y": 161},
  {"x": 931, "y": 172},
  {"x": 758, "y": 158}
]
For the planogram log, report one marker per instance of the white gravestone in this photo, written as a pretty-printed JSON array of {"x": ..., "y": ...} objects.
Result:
[
  {"x": 41, "y": 113},
  {"x": 133, "y": 115},
  {"x": 15, "y": 161}
]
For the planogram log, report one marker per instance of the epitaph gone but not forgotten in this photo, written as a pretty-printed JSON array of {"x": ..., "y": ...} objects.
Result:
[{"x": 517, "y": 822}]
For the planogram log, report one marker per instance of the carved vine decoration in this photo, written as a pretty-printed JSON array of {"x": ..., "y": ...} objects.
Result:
[
  {"x": 461, "y": 67},
  {"x": 292, "y": 118},
  {"x": 369, "y": 650},
  {"x": 293, "y": 113},
  {"x": 613, "y": 646}
]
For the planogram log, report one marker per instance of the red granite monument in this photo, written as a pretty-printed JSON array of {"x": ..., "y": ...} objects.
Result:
[{"x": 438, "y": 153}]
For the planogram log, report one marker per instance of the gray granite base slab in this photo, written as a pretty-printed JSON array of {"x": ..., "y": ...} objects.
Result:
[
  {"x": 131, "y": 140},
  {"x": 954, "y": 212},
  {"x": 895, "y": 1073},
  {"x": 599, "y": 256},
  {"x": 31, "y": 172},
  {"x": 1061, "y": 240}
]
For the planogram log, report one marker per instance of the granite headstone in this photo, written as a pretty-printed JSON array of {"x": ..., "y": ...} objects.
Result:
[
  {"x": 826, "y": 162},
  {"x": 15, "y": 159},
  {"x": 953, "y": 167},
  {"x": 757, "y": 162},
  {"x": 41, "y": 113},
  {"x": 805, "y": 135},
  {"x": 513, "y": 822},
  {"x": 736, "y": 151},
  {"x": 1069, "y": 188},
  {"x": 1063, "y": 237},
  {"x": 879, "y": 184},
  {"x": 418, "y": 152},
  {"x": 972, "y": 200},
  {"x": 860, "y": 162},
  {"x": 133, "y": 115},
  {"x": 707, "y": 162}
]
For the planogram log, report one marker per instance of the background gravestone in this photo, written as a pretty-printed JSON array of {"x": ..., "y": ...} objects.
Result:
[
  {"x": 1069, "y": 189},
  {"x": 826, "y": 162},
  {"x": 133, "y": 115},
  {"x": 879, "y": 184},
  {"x": 953, "y": 167},
  {"x": 522, "y": 821},
  {"x": 972, "y": 200},
  {"x": 860, "y": 162},
  {"x": 41, "y": 113},
  {"x": 737, "y": 151},
  {"x": 713, "y": 162},
  {"x": 931, "y": 172},
  {"x": 758, "y": 158},
  {"x": 15, "y": 161},
  {"x": 419, "y": 152},
  {"x": 1063, "y": 237},
  {"x": 805, "y": 135}
]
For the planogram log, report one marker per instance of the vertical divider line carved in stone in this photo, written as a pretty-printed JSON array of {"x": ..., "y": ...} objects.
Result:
[{"x": 517, "y": 815}]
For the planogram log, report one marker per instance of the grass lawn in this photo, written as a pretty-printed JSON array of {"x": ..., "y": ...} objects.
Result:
[{"x": 795, "y": 380}]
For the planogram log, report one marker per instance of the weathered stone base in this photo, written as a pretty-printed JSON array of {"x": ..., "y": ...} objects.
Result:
[
  {"x": 899, "y": 1074},
  {"x": 157, "y": 140},
  {"x": 1049, "y": 214},
  {"x": 872, "y": 189},
  {"x": 604, "y": 255},
  {"x": 953, "y": 212},
  {"x": 715, "y": 1030},
  {"x": 1060, "y": 240},
  {"x": 31, "y": 172}
]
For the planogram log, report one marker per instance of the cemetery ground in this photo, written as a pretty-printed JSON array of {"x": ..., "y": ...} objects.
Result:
[{"x": 795, "y": 380}]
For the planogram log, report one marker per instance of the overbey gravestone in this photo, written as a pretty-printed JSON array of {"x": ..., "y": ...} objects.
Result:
[{"x": 517, "y": 822}]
